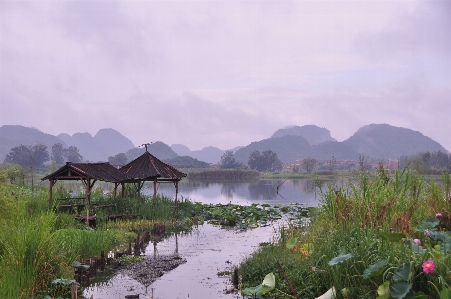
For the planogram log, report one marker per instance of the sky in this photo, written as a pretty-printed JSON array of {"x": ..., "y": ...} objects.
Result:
[{"x": 225, "y": 73}]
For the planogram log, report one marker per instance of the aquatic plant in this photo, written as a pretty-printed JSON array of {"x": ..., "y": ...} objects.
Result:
[{"x": 368, "y": 238}]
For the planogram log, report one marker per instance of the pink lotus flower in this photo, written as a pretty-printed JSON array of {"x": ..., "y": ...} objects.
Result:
[
  {"x": 427, "y": 232},
  {"x": 428, "y": 266},
  {"x": 418, "y": 241},
  {"x": 438, "y": 215}
]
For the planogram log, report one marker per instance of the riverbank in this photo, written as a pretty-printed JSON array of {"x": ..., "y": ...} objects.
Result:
[
  {"x": 209, "y": 252},
  {"x": 380, "y": 236}
]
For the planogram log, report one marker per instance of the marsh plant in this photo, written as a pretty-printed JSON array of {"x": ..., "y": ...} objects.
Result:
[{"x": 384, "y": 236}]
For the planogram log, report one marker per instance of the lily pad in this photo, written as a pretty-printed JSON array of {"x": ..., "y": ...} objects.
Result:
[
  {"x": 375, "y": 269},
  {"x": 400, "y": 290},
  {"x": 340, "y": 259},
  {"x": 291, "y": 243}
]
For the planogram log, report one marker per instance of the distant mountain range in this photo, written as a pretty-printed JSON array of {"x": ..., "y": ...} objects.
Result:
[{"x": 378, "y": 141}]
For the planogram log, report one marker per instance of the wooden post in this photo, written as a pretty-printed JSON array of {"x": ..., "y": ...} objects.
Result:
[
  {"x": 155, "y": 190},
  {"x": 74, "y": 290},
  {"x": 115, "y": 189},
  {"x": 87, "y": 199},
  {"x": 176, "y": 192},
  {"x": 52, "y": 182},
  {"x": 123, "y": 189}
]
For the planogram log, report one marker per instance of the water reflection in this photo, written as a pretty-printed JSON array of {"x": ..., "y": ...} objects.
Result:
[{"x": 263, "y": 191}]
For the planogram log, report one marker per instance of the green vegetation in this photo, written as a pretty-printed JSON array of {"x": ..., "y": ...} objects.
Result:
[
  {"x": 382, "y": 236},
  {"x": 186, "y": 162},
  {"x": 38, "y": 247}
]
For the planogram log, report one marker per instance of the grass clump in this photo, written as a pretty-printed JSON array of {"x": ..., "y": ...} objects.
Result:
[{"x": 375, "y": 236}]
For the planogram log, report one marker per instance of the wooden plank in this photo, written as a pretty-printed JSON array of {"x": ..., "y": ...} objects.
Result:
[{"x": 70, "y": 198}]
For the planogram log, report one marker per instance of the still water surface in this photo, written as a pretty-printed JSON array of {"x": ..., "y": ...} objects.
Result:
[{"x": 209, "y": 249}]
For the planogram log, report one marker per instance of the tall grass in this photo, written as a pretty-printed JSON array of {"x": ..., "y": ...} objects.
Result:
[{"x": 350, "y": 220}]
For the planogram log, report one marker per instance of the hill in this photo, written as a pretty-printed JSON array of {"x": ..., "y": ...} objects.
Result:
[
  {"x": 208, "y": 154},
  {"x": 106, "y": 143},
  {"x": 377, "y": 141},
  {"x": 313, "y": 134},
  {"x": 12, "y": 136},
  {"x": 288, "y": 148},
  {"x": 386, "y": 141},
  {"x": 159, "y": 149},
  {"x": 186, "y": 162}
]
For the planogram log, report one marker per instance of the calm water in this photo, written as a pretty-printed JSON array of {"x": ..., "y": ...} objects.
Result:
[
  {"x": 208, "y": 249},
  {"x": 244, "y": 193}
]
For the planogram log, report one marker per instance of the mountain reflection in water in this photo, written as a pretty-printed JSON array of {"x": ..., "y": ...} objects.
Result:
[{"x": 244, "y": 193}]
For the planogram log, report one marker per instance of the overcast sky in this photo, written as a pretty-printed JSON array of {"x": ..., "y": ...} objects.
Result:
[{"x": 225, "y": 73}]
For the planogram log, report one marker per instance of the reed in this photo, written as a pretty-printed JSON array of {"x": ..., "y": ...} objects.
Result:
[{"x": 351, "y": 230}]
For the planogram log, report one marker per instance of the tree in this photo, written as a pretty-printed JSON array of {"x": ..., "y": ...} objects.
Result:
[
  {"x": 40, "y": 155},
  {"x": 58, "y": 153},
  {"x": 309, "y": 164},
  {"x": 228, "y": 161},
  {"x": 118, "y": 160},
  {"x": 29, "y": 156},
  {"x": 72, "y": 155},
  {"x": 266, "y": 161},
  {"x": 332, "y": 164}
]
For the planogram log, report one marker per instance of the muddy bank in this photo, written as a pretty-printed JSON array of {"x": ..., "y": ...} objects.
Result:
[{"x": 149, "y": 269}]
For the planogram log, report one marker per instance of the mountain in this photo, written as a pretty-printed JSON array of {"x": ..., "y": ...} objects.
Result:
[
  {"x": 287, "y": 147},
  {"x": 377, "y": 141},
  {"x": 386, "y": 141},
  {"x": 313, "y": 134},
  {"x": 15, "y": 135},
  {"x": 106, "y": 143},
  {"x": 181, "y": 149},
  {"x": 208, "y": 154},
  {"x": 159, "y": 149}
]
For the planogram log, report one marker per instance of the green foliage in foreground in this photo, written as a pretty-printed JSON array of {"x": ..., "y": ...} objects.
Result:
[
  {"x": 38, "y": 246},
  {"x": 375, "y": 237}
]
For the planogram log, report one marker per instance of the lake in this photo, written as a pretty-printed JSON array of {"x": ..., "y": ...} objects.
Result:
[
  {"x": 209, "y": 249},
  {"x": 243, "y": 193}
]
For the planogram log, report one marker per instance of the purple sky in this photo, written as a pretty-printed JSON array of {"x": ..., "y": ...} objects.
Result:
[{"x": 225, "y": 73}]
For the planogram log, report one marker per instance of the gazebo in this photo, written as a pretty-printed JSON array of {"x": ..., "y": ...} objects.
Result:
[
  {"x": 88, "y": 173},
  {"x": 144, "y": 168},
  {"x": 147, "y": 168}
]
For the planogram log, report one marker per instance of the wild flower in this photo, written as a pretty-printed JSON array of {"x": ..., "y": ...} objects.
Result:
[
  {"x": 428, "y": 266},
  {"x": 438, "y": 215},
  {"x": 418, "y": 241},
  {"x": 427, "y": 232}
]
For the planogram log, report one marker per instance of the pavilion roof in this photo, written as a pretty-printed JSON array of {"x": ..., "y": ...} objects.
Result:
[
  {"x": 80, "y": 171},
  {"x": 147, "y": 167}
]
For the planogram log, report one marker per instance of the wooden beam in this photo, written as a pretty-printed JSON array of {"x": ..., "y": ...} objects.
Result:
[
  {"x": 155, "y": 190},
  {"x": 52, "y": 182}
]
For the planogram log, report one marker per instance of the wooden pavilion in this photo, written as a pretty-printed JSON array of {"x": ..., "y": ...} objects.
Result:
[
  {"x": 144, "y": 168},
  {"x": 147, "y": 168}
]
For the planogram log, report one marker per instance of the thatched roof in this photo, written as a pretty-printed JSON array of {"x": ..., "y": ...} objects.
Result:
[
  {"x": 148, "y": 168},
  {"x": 81, "y": 171}
]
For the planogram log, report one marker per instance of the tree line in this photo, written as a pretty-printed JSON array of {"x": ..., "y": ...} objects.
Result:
[
  {"x": 37, "y": 155},
  {"x": 266, "y": 161},
  {"x": 426, "y": 162}
]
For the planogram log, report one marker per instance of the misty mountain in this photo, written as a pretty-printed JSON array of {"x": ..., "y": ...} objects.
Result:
[
  {"x": 159, "y": 149},
  {"x": 287, "y": 147},
  {"x": 313, "y": 134},
  {"x": 386, "y": 141},
  {"x": 12, "y": 136},
  {"x": 106, "y": 143},
  {"x": 181, "y": 149},
  {"x": 208, "y": 154},
  {"x": 378, "y": 141}
]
